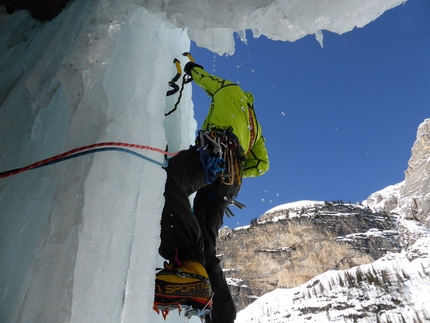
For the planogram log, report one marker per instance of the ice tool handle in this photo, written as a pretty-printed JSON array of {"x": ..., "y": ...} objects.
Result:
[
  {"x": 172, "y": 82},
  {"x": 188, "y": 78},
  {"x": 175, "y": 87}
]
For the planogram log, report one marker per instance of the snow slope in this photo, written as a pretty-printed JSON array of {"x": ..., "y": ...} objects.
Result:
[
  {"x": 78, "y": 240},
  {"x": 338, "y": 296},
  {"x": 395, "y": 288}
]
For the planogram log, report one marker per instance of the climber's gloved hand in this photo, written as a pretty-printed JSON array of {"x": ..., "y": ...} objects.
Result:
[{"x": 189, "y": 66}]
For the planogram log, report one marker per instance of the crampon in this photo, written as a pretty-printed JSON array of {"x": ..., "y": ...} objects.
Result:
[{"x": 191, "y": 308}]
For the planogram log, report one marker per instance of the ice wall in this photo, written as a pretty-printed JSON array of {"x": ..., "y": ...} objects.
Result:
[{"x": 79, "y": 239}]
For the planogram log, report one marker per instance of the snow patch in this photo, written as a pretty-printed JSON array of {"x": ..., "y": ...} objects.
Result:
[{"x": 294, "y": 205}]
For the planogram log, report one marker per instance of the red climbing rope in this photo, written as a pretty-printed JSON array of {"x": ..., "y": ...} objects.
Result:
[{"x": 76, "y": 152}]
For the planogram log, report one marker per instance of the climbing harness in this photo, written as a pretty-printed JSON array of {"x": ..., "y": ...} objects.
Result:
[
  {"x": 221, "y": 155},
  {"x": 210, "y": 155},
  {"x": 175, "y": 87},
  {"x": 90, "y": 149}
]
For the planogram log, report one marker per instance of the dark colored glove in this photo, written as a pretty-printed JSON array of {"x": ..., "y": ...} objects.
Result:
[{"x": 189, "y": 66}]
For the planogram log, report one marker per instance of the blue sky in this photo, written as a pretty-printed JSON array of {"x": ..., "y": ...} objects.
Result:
[{"x": 339, "y": 121}]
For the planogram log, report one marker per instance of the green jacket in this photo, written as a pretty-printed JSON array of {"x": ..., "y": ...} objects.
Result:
[{"x": 232, "y": 107}]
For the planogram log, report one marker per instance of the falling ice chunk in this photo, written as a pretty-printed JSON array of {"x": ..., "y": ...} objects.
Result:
[
  {"x": 283, "y": 113},
  {"x": 252, "y": 71}
]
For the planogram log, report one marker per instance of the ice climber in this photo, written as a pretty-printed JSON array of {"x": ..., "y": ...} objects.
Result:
[{"x": 229, "y": 147}]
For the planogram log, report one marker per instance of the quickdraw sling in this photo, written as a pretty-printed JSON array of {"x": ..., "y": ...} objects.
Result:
[{"x": 221, "y": 155}]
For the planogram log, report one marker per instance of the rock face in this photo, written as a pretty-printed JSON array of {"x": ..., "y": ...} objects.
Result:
[
  {"x": 410, "y": 198},
  {"x": 414, "y": 197},
  {"x": 288, "y": 247},
  {"x": 291, "y": 245}
]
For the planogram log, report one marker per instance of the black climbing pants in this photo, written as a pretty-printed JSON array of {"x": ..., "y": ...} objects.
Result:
[{"x": 188, "y": 234}]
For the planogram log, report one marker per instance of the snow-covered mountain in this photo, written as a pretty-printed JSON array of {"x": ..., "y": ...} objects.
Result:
[
  {"x": 290, "y": 246},
  {"x": 79, "y": 239},
  {"x": 393, "y": 288}
]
